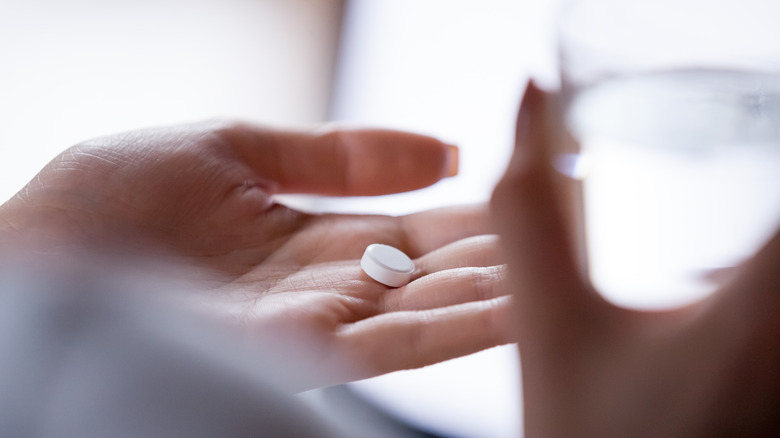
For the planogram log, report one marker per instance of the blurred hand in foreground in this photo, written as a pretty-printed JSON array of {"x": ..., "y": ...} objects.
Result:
[{"x": 591, "y": 369}]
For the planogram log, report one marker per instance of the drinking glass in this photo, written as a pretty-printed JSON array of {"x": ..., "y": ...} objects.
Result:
[{"x": 674, "y": 109}]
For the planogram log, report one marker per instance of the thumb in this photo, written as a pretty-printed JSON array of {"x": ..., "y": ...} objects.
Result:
[{"x": 343, "y": 162}]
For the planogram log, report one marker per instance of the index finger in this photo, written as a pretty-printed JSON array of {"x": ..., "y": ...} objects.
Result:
[{"x": 429, "y": 230}]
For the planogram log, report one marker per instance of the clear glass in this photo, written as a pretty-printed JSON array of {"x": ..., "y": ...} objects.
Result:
[{"x": 674, "y": 108}]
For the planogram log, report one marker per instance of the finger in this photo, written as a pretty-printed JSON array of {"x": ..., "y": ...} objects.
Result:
[
  {"x": 552, "y": 298},
  {"x": 342, "y": 162},
  {"x": 429, "y": 230},
  {"x": 337, "y": 237},
  {"x": 346, "y": 236},
  {"x": 447, "y": 288},
  {"x": 475, "y": 251},
  {"x": 405, "y": 340}
]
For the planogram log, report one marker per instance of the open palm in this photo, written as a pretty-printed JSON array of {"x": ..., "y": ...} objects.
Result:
[{"x": 204, "y": 195}]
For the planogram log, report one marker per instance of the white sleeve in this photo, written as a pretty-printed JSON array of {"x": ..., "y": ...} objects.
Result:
[{"x": 79, "y": 361}]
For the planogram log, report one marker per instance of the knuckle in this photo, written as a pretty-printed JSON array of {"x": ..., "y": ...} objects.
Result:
[{"x": 484, "y": 281}]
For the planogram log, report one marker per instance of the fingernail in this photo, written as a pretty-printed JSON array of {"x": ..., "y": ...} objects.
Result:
[
  {"x": 451, "y": 165},
  {"x": 531, "y": 99}
]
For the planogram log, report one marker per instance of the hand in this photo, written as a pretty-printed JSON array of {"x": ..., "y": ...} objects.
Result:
[
  {"x": 203, "y": 193},
  {"x": 593, "y": 369}
]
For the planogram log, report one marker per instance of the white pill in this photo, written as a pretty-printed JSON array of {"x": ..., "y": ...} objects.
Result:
[{"x": 387, "y": 265}]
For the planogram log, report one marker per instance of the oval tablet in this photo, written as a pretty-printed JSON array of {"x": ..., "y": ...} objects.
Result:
[{"x": 387, "y": 265}]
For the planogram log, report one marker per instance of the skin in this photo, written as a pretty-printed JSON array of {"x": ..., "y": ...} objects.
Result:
[
  {"x": 199, "y": 199},
  {"x": 592, "y": 369}
]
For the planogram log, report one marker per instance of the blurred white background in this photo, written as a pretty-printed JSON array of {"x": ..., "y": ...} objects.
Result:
[
  {"x": 84, "y": 68},
  {"x": 452, "y": 69}
]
